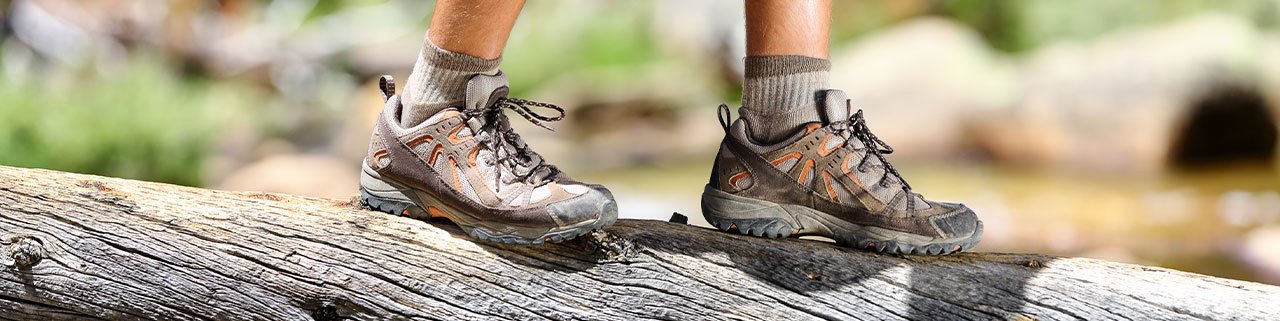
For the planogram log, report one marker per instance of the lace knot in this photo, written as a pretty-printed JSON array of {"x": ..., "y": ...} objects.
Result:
[
  {"x": 509, "y": 150},
  {"x": 855, "y": 127}
]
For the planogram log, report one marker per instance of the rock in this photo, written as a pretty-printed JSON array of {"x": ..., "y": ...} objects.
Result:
[
  {"x": 302, "y": 174},
  {"x": 1245, "y": 208},
  {"x": 1122, "y": 102},
  {"x": 919, "y": 82},
  {"x": 1269, "y": 68},
  {"x": 1260, "y": 253},
  {"x": 650, "y": 114}
]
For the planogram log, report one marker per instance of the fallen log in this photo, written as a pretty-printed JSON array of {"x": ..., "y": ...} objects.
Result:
[{"x": 85, "y": 247}]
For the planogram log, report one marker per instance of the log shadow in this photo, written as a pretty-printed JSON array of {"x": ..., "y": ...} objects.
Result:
[
  {"x": 968, "y": 286},
  {"x": 638, "y": 249},
  {"x": 973, "y": 286},
  {"x": 795, "y": 265}
]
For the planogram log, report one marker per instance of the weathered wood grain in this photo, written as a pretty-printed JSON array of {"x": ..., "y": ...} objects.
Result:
[{"x": 85, "y": 247}]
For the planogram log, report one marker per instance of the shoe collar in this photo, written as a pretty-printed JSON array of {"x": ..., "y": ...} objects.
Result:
[
  {"x": 835, "y": 106},
  {"x": 740, "y": 130},
  {"x": 485, "y": 90}
]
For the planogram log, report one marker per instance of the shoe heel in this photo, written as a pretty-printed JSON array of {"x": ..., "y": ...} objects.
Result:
[
  {"x": 380, "y": 195},
  {"x": 729, "y": 212}
]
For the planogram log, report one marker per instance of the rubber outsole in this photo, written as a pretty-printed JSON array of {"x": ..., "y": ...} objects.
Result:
[
  {"x": 409, "y": 209},
  {"x": 764, "y": 219}
]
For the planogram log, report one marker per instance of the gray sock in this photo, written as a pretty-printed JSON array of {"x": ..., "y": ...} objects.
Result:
[
  {"x": 439, "y": 80},
  {"x": 780, "y": 94}
]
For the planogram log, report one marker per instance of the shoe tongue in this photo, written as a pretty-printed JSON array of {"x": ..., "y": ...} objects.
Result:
[
  {"x": 484, "y": 90},
  {"x": 835, "y": 106}
]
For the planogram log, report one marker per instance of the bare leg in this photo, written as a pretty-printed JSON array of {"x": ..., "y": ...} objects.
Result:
[
  {"x": 478, "y": 28},
  {"x": 786, "y": 65},
  {"x": 465, "y": 39},
  {"x": 788, "y": 27}
]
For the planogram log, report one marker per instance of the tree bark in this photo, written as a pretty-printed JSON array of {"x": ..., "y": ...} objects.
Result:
[{"x": 85, "y": 247}]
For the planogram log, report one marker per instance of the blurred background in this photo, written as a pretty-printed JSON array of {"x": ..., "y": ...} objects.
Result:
[{"x": 1134, "y": 131}]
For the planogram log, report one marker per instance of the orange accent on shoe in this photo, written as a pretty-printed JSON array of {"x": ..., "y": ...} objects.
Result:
[
  {"x": 453, "y": 169},
  {"x": 419, "y": 140},
  {"x": 811, "y": 127},
  {"x": 804, "y": 172},
  {"x": 733, "y": 180},
  {"x": 379, "y": 155},
  {"x": 436, "y": 154},
  {"x": 831, "y": 191},
  {"x": 449, "y": 113},
  {"x": 453, "y": 135},
  {"x": 471, "y": 157},
  {"x": 436, "y": 213},
  {"x": 786, "y": 157},
  {"x": 822, "y": 147},
  {"x": 845, "y": 168}
]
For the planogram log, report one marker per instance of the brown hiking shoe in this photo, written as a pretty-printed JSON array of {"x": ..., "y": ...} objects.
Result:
[
  {"x": 830, "y": 179},
  {"x": 466, "y": 164}
]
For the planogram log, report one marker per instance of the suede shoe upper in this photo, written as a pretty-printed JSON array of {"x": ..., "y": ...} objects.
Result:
[
  {"x": 469, "y": 158},
  {"x": 838, "y": 167}
]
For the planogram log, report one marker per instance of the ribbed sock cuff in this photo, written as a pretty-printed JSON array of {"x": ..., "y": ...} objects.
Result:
[
  {"x": 769, "y": 66},
  {"x": 439, "y": 79},
  {"x": 445, "y": 59},
  {"x": 780, "y": 93}
]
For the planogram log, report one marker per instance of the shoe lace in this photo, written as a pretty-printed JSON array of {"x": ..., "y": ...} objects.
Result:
[
  {"x": 508, "y": 149},
  {"x": 855, "y": 127}
]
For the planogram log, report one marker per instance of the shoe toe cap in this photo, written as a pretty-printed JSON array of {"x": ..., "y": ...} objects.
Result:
[
  {"x": 596, "y": 203},
  {"x": 959, "y": 221}
]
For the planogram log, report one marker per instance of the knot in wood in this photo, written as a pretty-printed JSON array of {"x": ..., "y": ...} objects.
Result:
[
  {"x": 26, "y": 252},
  {"x": 611, "y": 248}
]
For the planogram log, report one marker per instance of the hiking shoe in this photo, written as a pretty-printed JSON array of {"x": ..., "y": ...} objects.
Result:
[
  {"x": 830, "y": 179},
  {"x": 467, "y": 165}
]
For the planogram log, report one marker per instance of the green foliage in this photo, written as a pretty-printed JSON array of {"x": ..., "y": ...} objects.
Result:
[
  {"x": 549, "y": 39},
  {"x": 1018, "y": 26},
  {"x": 1038, "y": 22},
  {"x": 140, "y": 122}
]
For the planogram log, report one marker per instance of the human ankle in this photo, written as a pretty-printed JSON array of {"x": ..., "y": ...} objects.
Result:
[{"x": 439, "y": 80}]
